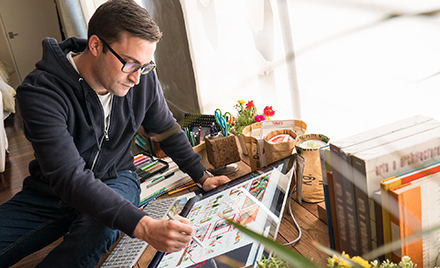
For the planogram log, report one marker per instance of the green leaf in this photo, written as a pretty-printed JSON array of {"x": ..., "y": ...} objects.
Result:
[{"x": 289, "y": 256}]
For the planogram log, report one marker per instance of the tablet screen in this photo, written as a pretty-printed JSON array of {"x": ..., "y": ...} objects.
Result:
[{"x": 256, "y": 202}]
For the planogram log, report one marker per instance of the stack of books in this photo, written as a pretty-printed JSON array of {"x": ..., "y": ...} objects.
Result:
[{"x": 355, "y": 168}]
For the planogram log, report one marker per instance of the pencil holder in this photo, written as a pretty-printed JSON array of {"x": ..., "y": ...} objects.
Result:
[{"x": 222, "y": 151}]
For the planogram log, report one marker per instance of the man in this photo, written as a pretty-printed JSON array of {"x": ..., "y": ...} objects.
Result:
[{"x": 81, "y": 107}]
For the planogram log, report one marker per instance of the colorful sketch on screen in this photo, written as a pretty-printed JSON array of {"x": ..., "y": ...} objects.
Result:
[{"x": 218, "y": 237}]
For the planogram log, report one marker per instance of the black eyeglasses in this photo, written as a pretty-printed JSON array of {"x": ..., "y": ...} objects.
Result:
[{"x": 130, "y": 67}]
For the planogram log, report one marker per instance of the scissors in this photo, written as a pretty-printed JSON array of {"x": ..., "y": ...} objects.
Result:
[{"x": 222, "y": 121}]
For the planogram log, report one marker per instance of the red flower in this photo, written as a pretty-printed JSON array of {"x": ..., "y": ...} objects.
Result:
[
  {"x": 259, "y": 118},
  {"x": 268, "y": 111},
  {"x": 250, "y": 104}
]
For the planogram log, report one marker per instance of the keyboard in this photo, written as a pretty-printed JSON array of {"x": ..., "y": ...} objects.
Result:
[{"x": 128, "y": 251}]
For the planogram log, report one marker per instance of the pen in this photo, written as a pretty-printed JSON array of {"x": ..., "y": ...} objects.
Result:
[
  {"x": 154, "y": 168},
  {"x": 151, "y": 197},
  {"x": 141, "y": 161},
  {"x": 170, "y": 173},
  {"x": 187, "y": 134},
  {"x": 160, "y": 178},
  {"x": 212, "y": 130},
  {"x": 138, "y": 158},
  {"x": 183, "y": 188},
  {"x": 195, "y": 239},
  {"x": 149, "y": 165},
  {"x": 156, "y": 181}
]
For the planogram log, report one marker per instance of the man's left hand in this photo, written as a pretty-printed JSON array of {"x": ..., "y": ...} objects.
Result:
[{"x": 213, "y": 182}]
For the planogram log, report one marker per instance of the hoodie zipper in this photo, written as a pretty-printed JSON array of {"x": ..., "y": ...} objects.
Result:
[{"x": 104, "y": 137}]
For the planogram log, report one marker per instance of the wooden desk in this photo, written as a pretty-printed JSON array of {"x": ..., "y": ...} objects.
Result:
[{"x": 305, "y": 214}]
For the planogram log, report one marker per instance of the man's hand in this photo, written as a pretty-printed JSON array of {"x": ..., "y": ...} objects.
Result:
[
  {"x": 164, "y": 235},
  {"x": 213, "y": 182}
]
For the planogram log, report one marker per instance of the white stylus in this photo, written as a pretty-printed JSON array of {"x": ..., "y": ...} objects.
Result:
[{"x": 171, "y": 216}]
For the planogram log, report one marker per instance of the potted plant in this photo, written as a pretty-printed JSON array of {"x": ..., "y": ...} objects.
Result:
[{"x": 247, "y": 115}]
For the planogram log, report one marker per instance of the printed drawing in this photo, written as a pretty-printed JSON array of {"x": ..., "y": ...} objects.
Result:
[
  {"x": 214, "y": 243},
  {"x": 186, "y": 256},
  {"x": 201, "y": 232},
  {"x": 259, "y": 184},
  {"x": 214, "y": 202},
  {"x": 238, "y": 237},
  {"x": 248, "y": 215},
  {"x": 208, "y": 215},
  {"x": 236, "y": 190},
  {"x": 194, "y": 211},
  {"x": 257, "y": 189},
  {"x": 233, "y": 203},
  {"x": 220, "y": 228}
]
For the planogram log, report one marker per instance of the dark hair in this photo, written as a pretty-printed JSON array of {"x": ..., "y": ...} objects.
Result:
[{"x": 114, "y": 17}]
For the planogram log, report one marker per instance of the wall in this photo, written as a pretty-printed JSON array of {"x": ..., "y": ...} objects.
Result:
[{"x": 5, "y": 55}]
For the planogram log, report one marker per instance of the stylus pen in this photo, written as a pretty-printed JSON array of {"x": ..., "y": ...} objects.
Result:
[
  {"x": 171, "y": 216},
  {"x": 261, "y": 205}
]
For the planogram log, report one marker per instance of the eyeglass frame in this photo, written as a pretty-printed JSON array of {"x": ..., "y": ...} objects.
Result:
[{"x": 149, "y": 67}]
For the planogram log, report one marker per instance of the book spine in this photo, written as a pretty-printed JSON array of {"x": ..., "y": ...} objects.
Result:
[
  {"x": 353, "y": 234},
  {"x": 431, "y": 217},
  {"x": 331, "y": 195},
  {"x": 405, "y": 221},
  {"x": 322, "y": 156},
  {"x": 366, "y": 232},
  {"x": 338, "y": 188},
  {"x": 386, "y": 220},
  {"x": 410, "y": 208},
  {"x": 379, "y": 222},
  {"x": 396, "y": 255}
]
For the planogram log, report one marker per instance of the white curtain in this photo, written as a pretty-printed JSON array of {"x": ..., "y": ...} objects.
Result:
[
  {"x": 242, "y": 50},
  {"x": 72, "y": 18}
]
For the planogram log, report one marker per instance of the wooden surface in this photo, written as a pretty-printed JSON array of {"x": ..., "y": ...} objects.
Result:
[{"x": 20, "y": 153}]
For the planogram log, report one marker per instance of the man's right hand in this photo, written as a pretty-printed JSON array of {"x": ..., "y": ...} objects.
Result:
[{"x": 164, "y": 235}]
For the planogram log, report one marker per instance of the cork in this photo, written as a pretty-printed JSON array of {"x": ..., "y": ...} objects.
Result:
[{"x": 222, "y": 151}]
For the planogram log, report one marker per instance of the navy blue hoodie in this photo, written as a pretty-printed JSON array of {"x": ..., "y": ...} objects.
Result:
[{"x": 64, "y": 120}]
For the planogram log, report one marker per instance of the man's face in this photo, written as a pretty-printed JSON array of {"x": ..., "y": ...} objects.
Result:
[{"x": 108, "y": 73}]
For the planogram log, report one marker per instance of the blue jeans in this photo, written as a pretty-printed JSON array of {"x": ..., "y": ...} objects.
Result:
[{"x": 31, "y": 221}]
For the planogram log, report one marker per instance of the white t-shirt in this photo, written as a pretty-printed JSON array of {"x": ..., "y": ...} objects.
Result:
[{"x": 106, "y": 99}]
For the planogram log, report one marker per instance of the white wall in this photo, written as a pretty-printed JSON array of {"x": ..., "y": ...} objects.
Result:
[{"x": 358, "y": 70}]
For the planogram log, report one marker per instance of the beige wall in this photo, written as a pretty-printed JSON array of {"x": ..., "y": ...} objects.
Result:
[{"x": 5, "y": 55}]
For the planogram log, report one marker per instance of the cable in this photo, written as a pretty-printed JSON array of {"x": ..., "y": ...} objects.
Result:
[{"x": 293, "y": 218}]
